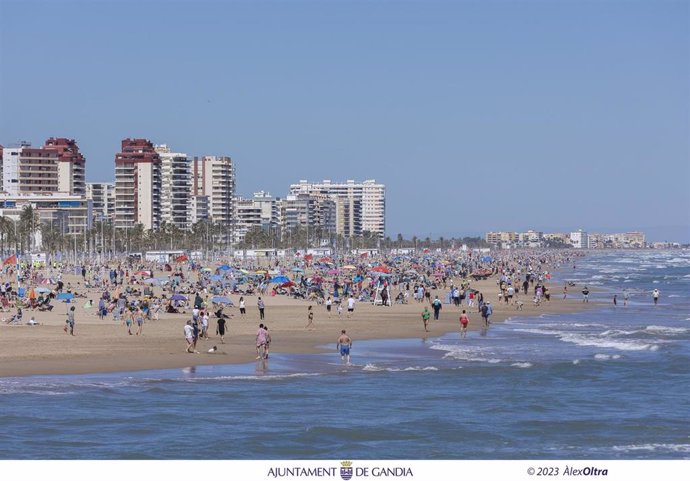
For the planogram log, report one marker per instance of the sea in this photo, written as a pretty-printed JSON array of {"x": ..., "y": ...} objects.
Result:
[{"x": 610, "y": 382}]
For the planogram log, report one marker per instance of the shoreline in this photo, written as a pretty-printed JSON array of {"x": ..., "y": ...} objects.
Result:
[{"x": 103, "y": 346}]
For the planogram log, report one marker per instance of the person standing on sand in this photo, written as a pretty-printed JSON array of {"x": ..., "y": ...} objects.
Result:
[
  {"x": 70, "y": 320},
  {"x": 344, "y": 345},
  {"x": 437, "y": 307},
  {"x": 655, "y": 296},
  {"x": 585, "y": 295},
  {"x": 220, "y": 330},
  {"x": 140, "y": 321},
  {"x": 565, "y": 291},
  {"x": 260, "y": 304},
  {"x": 243, "y": 307},
  {"x": 350, "y": 306},
  {"x": 425, "y": 318},
  {"x": 464, "y": 321},
  {"x": 260, "y": 341},
  {"x": 310, "y": 318},
  {"x": 329, "y": 303},
  {"x": 189, "y": 337},
  {"x": 268, "y": 342}
]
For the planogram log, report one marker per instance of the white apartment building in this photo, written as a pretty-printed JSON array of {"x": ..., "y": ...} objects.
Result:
[
  {"x": 579, "y": 239},
  {"x": 214, "y": 177},
  {"x": 310, "y": 211},
  {"x": 102, "y": 196},
  {"x": 262, "y": 210},
  {"x": 176, "y": 187},
  {"x": 362, "y": 205}
]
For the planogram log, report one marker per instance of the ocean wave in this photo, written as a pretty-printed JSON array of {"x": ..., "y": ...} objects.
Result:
[
  {"x": 374, "y": 368},
  {"x": 247, "y": 377},
  {"x": 522, "y": 365},
  {"x": 463, "y": 353},
  {"x": 666, "y": 330},
  {"x": 620, "y": 345},
  {"x": 606, "y": 357},
  {"x": 676, "y": 448}
]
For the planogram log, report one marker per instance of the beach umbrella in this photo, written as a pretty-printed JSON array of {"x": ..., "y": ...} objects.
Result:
[
  {"x": 216, "y": 277},
  {"x": 142, "y": 273},
  {"x": 67, "y": 296},
  {"x": 47, "y": 281},
  {"x": 182, "y": 258},
  {"x": 325, "y": 259},
  {"x": 206, "y": 269},
  {"x": 349, "y": 267},
  {"x": 383, "y": 269},
  {"x": 287, "y": 284},
  {"x": 224, "y": 267},
  {"x": 297, "y": 269},
  {"x": 316, "y": 279},
  {"x": 221, "y": 300},
  {"x": 244, "y": 271},
  {"x": 332, "y": 272},
  {"x": 280, "y": 279},
  {"x": 486, "y": 259},
  {"x": 42, "y": 290},
  {"x": 32, "y": 293},
  {"x": 261, "y": 271},
  {"x": 178, "y": 297}
]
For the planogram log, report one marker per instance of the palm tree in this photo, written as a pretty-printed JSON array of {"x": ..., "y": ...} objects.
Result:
[
  {"x": 6, "y": 233},
  {"x": 28, "y": 225}
]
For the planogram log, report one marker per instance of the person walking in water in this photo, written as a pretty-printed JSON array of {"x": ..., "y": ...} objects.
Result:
[
  {"x": 344, "y": 345},
  {"x": 436, "y": 305},
  {"x": 655, "y": 296}
]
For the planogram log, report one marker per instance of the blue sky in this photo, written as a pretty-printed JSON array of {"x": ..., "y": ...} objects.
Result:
[{"x": 477, "y": 115}]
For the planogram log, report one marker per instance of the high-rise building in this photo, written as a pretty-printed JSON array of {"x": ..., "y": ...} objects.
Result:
[
  {"x": 361, "y": 205},
  {"x": 57, "y": 166},
  {"x": 137, "y": 185},
  {"x": 71, "y": 165},
  {"x": 214, "y": 177},
  {"x": 262, "y": 211},
  {"x": 102, "y": 195},
  {"x": 579, "y": 239},
  {"x": 176, "y": 187},
  {"x": 310, "y": 211}
]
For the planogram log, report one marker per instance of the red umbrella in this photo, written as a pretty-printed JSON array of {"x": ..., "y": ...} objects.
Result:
[
  {"x": 325, "y": 259},
  {"x": 182, "y": 258},
  {"x": 383, "y": 269},
  {"x": 142, "y": 273},
  {"x": 287, "y": 284}
]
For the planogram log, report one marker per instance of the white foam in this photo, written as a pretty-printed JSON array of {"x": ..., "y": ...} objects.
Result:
[
  {"x": 666, "y": 330},
  {"x": 372, "y": 367},
  {"x": 606, "y": 357},
  {"x": 628, "y": 345},
  {"x": 676, "y": 448},
  {"x": 576, "y": 361},
  {"x": 522, "y": 365}
]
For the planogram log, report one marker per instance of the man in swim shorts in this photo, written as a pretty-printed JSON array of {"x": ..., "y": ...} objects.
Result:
[{"x": 344, "y": 344}]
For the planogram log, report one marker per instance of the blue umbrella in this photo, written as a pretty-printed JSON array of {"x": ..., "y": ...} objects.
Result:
[
  {"x": 280, "y": 279},
  {"x": 42, "y": 289},
  {"x": 224, "y": 267},
  {"x": 221, "y": 300},
  {"x": 178, "y": 297},
  {"x": 216, "y": 277},
  {"x": 486, "y": 259},
  {"x": 68, "y": 296}
]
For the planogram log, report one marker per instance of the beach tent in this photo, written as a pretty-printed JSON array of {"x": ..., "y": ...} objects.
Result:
[{"x": 67, "y": 296}]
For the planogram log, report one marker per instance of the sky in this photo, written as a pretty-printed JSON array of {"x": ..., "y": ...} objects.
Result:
[{"x": 476, "y": 115}]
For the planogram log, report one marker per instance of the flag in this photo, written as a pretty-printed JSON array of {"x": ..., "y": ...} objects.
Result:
[{"x": 10, "y": 260}]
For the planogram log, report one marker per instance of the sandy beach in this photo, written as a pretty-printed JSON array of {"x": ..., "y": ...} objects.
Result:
[{"x": 105, "y": 346}]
